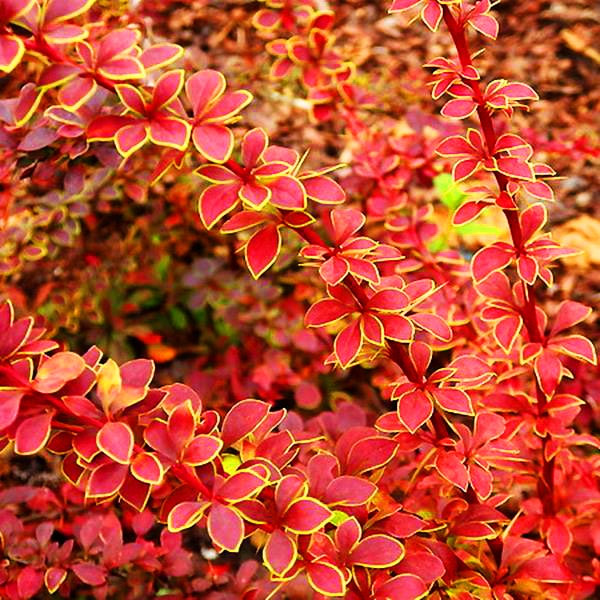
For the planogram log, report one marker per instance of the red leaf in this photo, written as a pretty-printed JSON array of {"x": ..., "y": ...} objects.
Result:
[
  {"x": 326, "y": 579},
  {"x": 481, "y": 480},
  {"x": 243, "y": 418},
  {"x": 167, "y": 88},
  {"x": 306, "y": 515},
  {"x": 11, "y": 52},
  {"x": 54, "y": 577},
  {"x": 468, "y": 212},
  {"x": 287, "y": 193},
  {"x": 453, "y": 400},
  {"x": 29, "y": 582},
  {"x": 147, "y": 468},
  {"x": 170, "y": 132},
  {"x": 548, "y": 370},
  {"x": 89, "y": 573},
  {"x": 348, "y": 343},
  {"x": 240, "y": 485},
  {"x": 323, "y": 189},
  {"x": 116, "y": 441},
  {"x": 181, "y": 425},
  {"x": 545, "y": 568},
  {"x": 131, "y": 138},
  {"x": 55, "y": 372},
  {"x": 213, "y": 141},
  {"x": 559, "y": 537},
  {"x": 451, "y": 468},
  {"x": 515, "y": 167},
  {"x": 458, "y": 108},
  {"x": 225, "y": 527},
  {"x": 402, "y": 587},
  {"x": 433, "y": 324},
  {"x": 432, "y": 14},
  {"x": 349, "y": 491},
  {"x": 262, "y": 249},
  {"x": 490, "y": 259},
  {"x": 10, "y": 402},
  {"x": 186, "y": 515},
  {"x": 106, "y": 480},
  {"x": 334, "y": 270},
  {"x": 33, "y": 433},
  {"x": 279, "y": 553},
  {"x": 216, "y": 201},
  {"x": 370, "y": 453},
  {"x": 569, "y": 313},
  {"x": 377, "y": 551},
  {"x": 324, "y": 312},
  {"x": 414, "y": 409},
  {"x": 254, "y": 144},
  {"x": 388, "y": 300},
  {"x": 201, "y": 450},
  {"x": 160, "y": 55},
  {"x": 397, "y": 328}
]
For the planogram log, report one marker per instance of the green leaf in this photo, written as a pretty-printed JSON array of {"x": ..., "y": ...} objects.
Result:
[
  {"x": 339, "y": 517},
  {"x": 231, "y": 462},
  {"x": 161, "y": 268},
  {"x": 475, "y": 228},
  {"x": 450, "y": 194},
  {"x": 437, "y": 244},
  {"x": 178, "y": 317}
]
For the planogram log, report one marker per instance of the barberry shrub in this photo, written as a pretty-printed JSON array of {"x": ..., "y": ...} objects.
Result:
[{"x": 376, "y": 411}]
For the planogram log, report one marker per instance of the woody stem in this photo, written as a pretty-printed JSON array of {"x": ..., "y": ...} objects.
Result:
[{"x": 528, "y": 311}]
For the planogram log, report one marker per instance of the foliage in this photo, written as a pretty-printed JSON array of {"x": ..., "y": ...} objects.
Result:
[{"x": 378, "y": 411}]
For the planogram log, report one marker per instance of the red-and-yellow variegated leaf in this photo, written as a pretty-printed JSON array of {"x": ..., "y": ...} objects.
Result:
[
  {"x": 306, "y": 515},
  {"x": 201, "y": 450},
  {"x": 160, "y": 55},
  {"x": 213, "y": 141},
  {"x": 181, "y": 425},
  {"x": 279, "y": 553},
  {"x": 434, "y": 325},
  {"x": 216, "y": 201},
  {"x": 451, "y": 468},
  {"x": 241, "y": 485},
  {"x": 414, "y": 409},
  {"x": 54, "y": 578},
  {"x": 115, "y": 439},
  {"x": 225, "y": 527},
  {"x": 130, "y": 138},
  {"x": 242, "y": 419},
  {"x": 490, "y": 259},
  {"x": 185, "y": 515},
  {"x": 263, "y": 249},
  {"x": 326, "y": 311},
  {"x": 106, "y": 480},
  {"x": 146, "y": 467},
  {"x": 403, "y": 587},
  {"x": 323, "y": 190},
  {"x": 348, "y": 343},
  {"x": 10, "y": 402},
  {"x": 548, "y": 370},
  {"x": 326, "y": 578},
  {"x": 577, "y": 346},
  {"x": 348, "y": 490},
  {"x": 55, "y": 372},
  {"x": 287, "y": 193},
  {"x": 167, "y": 88},
  {"x": 170, "y": 132},
  {"x": 453, "y": 400},
  {"x": 11, "y": 52},
  {"x": 377, "y": 552},
  {"x": 33, "y": 433}
]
